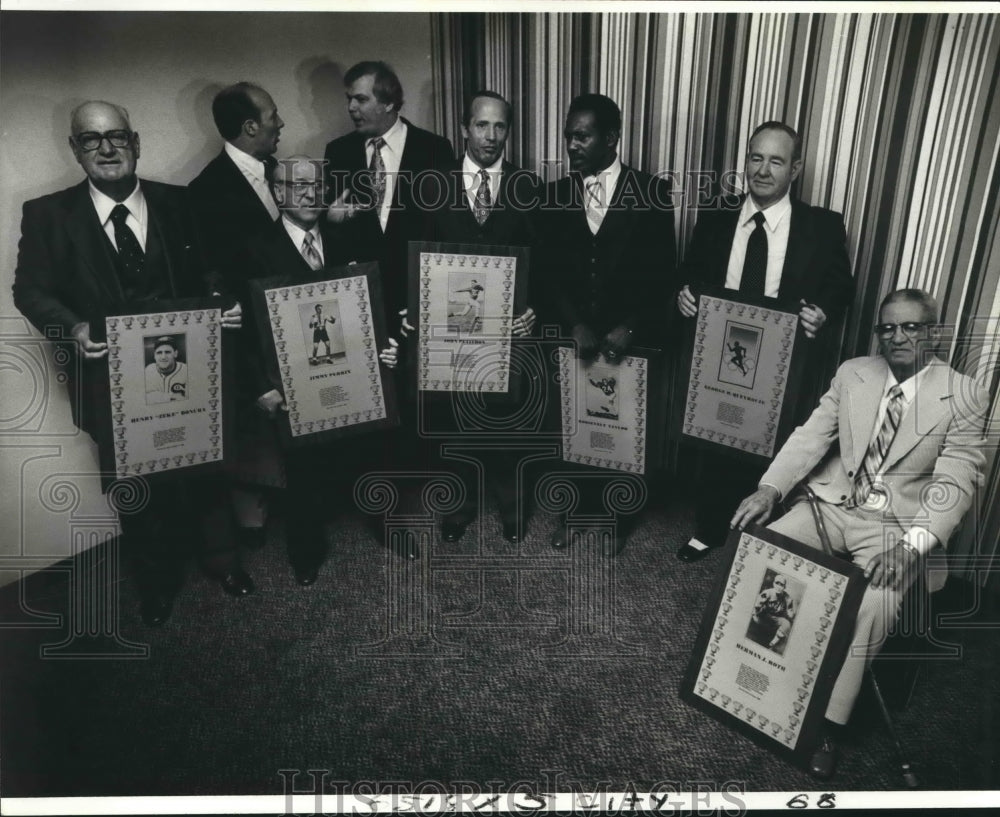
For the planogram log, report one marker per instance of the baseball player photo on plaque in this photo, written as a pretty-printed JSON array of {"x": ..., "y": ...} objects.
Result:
[
  {"x": 168, "y": 375},
  {"x": 774, "y": 635},
  {"x": 465, "y": 299}
]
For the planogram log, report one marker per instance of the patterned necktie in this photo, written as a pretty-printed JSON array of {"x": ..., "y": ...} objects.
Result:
[
  {"x": 484, "y": 201},
  {"x": 877, "y": 451},
  {"x": 594, "y": 214},
  {"x": 130, "y": 252},
  {"x": 310, "y": 253},
  {"x": 755, "y": 262},
  {"x": 377, "y": 169}
]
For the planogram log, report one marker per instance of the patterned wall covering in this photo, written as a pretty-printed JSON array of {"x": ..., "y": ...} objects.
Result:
[{"x": 900, "y": 118}]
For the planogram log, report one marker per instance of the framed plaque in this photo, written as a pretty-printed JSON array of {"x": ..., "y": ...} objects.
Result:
[
  {"x": 321, "y": 341},
  {"x": 745, "y": 362},
  {"x": 465, "y": 298},
  {"x": 605, "y": 410},
  {"x": 169, "y": 377},
  {"x": 773, "y": 638}
]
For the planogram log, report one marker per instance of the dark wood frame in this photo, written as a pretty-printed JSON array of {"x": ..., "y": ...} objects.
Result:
[{"x": 265, "y": 330}]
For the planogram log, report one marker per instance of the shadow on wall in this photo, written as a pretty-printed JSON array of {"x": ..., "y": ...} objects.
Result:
[
  {"x": 321, "y": 100},
  {"x": 194, "y": 112}
]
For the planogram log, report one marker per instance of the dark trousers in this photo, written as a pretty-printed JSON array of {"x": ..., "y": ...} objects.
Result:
[
  {"x": 163, "y": 522},
  {"x": 721, "y": 483}
]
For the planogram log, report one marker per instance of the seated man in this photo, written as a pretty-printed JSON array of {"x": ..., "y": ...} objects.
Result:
[{"x": 892, "y": 431}]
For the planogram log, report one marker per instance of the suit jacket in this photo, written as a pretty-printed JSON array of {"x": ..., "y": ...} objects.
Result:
[
  {"x": 415, "y": 196},
  {"x": 935, "y": 461},
  {"x": 66, "y": 271},
  {"x": 816, "y": 267},
  {"x": 229, "y": 215},
  {"x": 512, "y": 221},
  {"x": 623, "y": 275}
]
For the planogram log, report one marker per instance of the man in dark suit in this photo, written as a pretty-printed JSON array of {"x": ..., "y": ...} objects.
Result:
[
  {"x": 104, "y": 246},
  {"x": 233, "y": 203},
  {"x": 609, "y": 231},
  {"x": 777, "y": 247},
  {"x": 490, "y": 202},
  {"x": 301, "y": 245},
  {"x": 895, "y": 454},
  {"x": 377, "y": 180}
]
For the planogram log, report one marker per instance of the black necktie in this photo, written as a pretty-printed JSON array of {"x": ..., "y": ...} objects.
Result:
[
  {"x": 130, "y": 253},
  {"x": 755, "y": 262}
]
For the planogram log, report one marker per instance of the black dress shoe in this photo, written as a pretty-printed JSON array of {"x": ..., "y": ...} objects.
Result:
[
  {"x": 155, "y": 609},
  {"x": 452, "y": 531},
  {"x": 305, "y": 576},
  {"x": 823, "y": 764},
  {"x": 237, "y": 583},
  {"x": 694, "y": 550},
  {"x": 560, "y": 539},
  {"x": 510, "y": 530}
]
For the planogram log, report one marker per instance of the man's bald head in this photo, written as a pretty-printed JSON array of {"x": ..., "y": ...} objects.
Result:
[{"x": 86, "y": 111}]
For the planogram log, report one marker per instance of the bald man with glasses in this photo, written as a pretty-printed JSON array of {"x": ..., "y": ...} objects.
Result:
[{"x": 895, "y": 454}]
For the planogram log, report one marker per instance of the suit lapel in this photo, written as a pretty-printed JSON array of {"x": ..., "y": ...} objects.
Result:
[
  {"x": 163, "y": 220},
  {"x": 797, "y": 251},
  {"x": 864, "y": 396},
  {"x": 88, "y": 238},
  {"x": 728, "y": 222}
]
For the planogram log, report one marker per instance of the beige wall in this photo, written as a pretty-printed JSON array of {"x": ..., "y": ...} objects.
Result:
[{"x": 165, "y": 68}]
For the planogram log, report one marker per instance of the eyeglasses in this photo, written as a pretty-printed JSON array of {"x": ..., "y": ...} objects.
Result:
[
  {"x": 92, "y": 140},
  {"x": 911, "y": 329}
]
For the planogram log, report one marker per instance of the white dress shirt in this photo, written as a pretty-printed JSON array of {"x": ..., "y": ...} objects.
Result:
[
  {"x": 608, "y": 179},
  {"x": 253, "y": 170},
  {"x": 471, "y": 179},
  {"x": 137, "y": 220},
  {"x": 392, "y": 156},
  {"x": 298, "y": 235},
  {"x": 777, "y": 218}
]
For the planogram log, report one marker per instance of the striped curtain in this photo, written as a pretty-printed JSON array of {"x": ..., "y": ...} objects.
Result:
[{"x": 900, "y": 120}]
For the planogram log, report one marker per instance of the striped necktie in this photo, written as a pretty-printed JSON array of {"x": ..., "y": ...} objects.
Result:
[
  {"x": 878, "y": 449},
  {"x": 595, "y": 216},
  {"x": 310, "y": 253}
]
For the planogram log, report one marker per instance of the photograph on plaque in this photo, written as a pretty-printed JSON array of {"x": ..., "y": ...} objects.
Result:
[
  {"x": 773, "y": 638},
  {"x": 321, "y": 340},
  {"x": 604, "y": 409},
  {"x": 465, "y": 299},
  {"x": 742, "y": 368},
  {"x": 176, "y": 418}
]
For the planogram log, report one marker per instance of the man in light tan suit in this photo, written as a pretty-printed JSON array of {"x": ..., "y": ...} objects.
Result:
[{"x": 895, "y": 452}]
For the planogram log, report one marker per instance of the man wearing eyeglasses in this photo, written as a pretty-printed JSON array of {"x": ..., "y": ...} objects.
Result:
[
  {"x": 104, "y": 246},
  {"x": 894, "y": 451},
  {"x": 301, "y": 244}
]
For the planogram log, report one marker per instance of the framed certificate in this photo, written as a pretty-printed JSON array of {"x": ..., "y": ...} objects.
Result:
[
  {"x": 745, "y": 363},
  {"x": 605, "y": 410},
  {"x": 321, "y": 341},
  {"x": 169, "y": 377},
  {"x": 465, "y": 299},
  {"x": 773, "y": 638}
]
